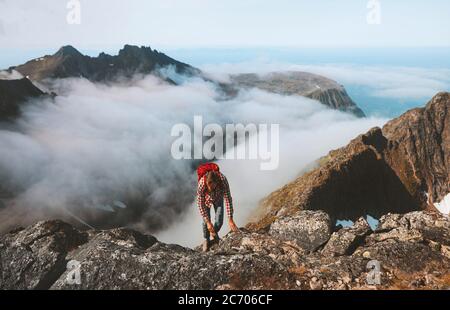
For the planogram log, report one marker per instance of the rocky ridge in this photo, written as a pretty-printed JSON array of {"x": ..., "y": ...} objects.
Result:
[
  {"x": 401, "y": 168},
  {"x": 413, "y": 251}
]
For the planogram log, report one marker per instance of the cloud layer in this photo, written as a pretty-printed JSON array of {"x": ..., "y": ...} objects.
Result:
[{"x": 95, "y": 148}]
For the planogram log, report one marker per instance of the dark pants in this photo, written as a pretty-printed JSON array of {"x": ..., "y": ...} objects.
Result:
[{"x": 218, "y": 210}]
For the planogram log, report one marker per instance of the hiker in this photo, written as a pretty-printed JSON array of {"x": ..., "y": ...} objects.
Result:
[{"x": 213, "y": 191}]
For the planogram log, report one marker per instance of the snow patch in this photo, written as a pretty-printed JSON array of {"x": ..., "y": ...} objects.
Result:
[{"x": 444, "y": 205}]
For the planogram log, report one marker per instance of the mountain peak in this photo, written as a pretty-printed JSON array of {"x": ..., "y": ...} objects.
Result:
[
  {"x": 68, "y": 50},
  {"x": 135, "y": 50}
]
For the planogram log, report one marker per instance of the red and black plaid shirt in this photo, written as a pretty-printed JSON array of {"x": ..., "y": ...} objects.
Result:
[{"x": 205, "y": 199}]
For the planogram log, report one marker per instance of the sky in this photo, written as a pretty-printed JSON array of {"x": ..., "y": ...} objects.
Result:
[{"x": 43, "y": 24}]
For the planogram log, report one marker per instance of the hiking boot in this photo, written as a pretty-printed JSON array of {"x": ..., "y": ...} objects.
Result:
[{"x": 205, "y": 246}]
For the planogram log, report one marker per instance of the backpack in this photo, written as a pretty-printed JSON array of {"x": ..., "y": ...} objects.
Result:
[{"x": 205, "y": 168}]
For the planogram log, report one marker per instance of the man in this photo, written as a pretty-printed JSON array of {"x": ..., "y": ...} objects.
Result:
[{"x": 213, "y": 191}]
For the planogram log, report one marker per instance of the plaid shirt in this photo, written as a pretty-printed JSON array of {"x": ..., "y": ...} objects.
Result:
[{"x": 205, "y": 199}]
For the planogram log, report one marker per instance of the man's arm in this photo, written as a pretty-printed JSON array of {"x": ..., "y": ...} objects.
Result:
[
  {"x": 228, "y": 203},
  {"x": 227, "y": 197}
]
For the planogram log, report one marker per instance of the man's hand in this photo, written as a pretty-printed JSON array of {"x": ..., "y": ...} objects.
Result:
[
  {"x": 211, "y": 229},
  {"x": 232, "y": 225}
]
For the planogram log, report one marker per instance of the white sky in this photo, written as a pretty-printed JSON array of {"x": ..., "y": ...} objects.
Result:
[{"x": 231, "y": 23}]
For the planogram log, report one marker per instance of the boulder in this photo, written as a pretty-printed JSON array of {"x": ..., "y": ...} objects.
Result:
[
  {"x": 307, "y": 229},
  {"x": 346, "y": 240},
  {"x": 35, "y": 257}
]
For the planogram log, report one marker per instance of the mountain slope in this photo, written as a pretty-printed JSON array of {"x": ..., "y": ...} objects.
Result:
[
  {"x": 420, "y": 149},
  {"x": 69, "y": 62},
  {"x": 13, "y": 93}
]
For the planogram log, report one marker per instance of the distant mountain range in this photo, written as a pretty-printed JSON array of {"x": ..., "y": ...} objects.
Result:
[{"x": 69, "y": 62}]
